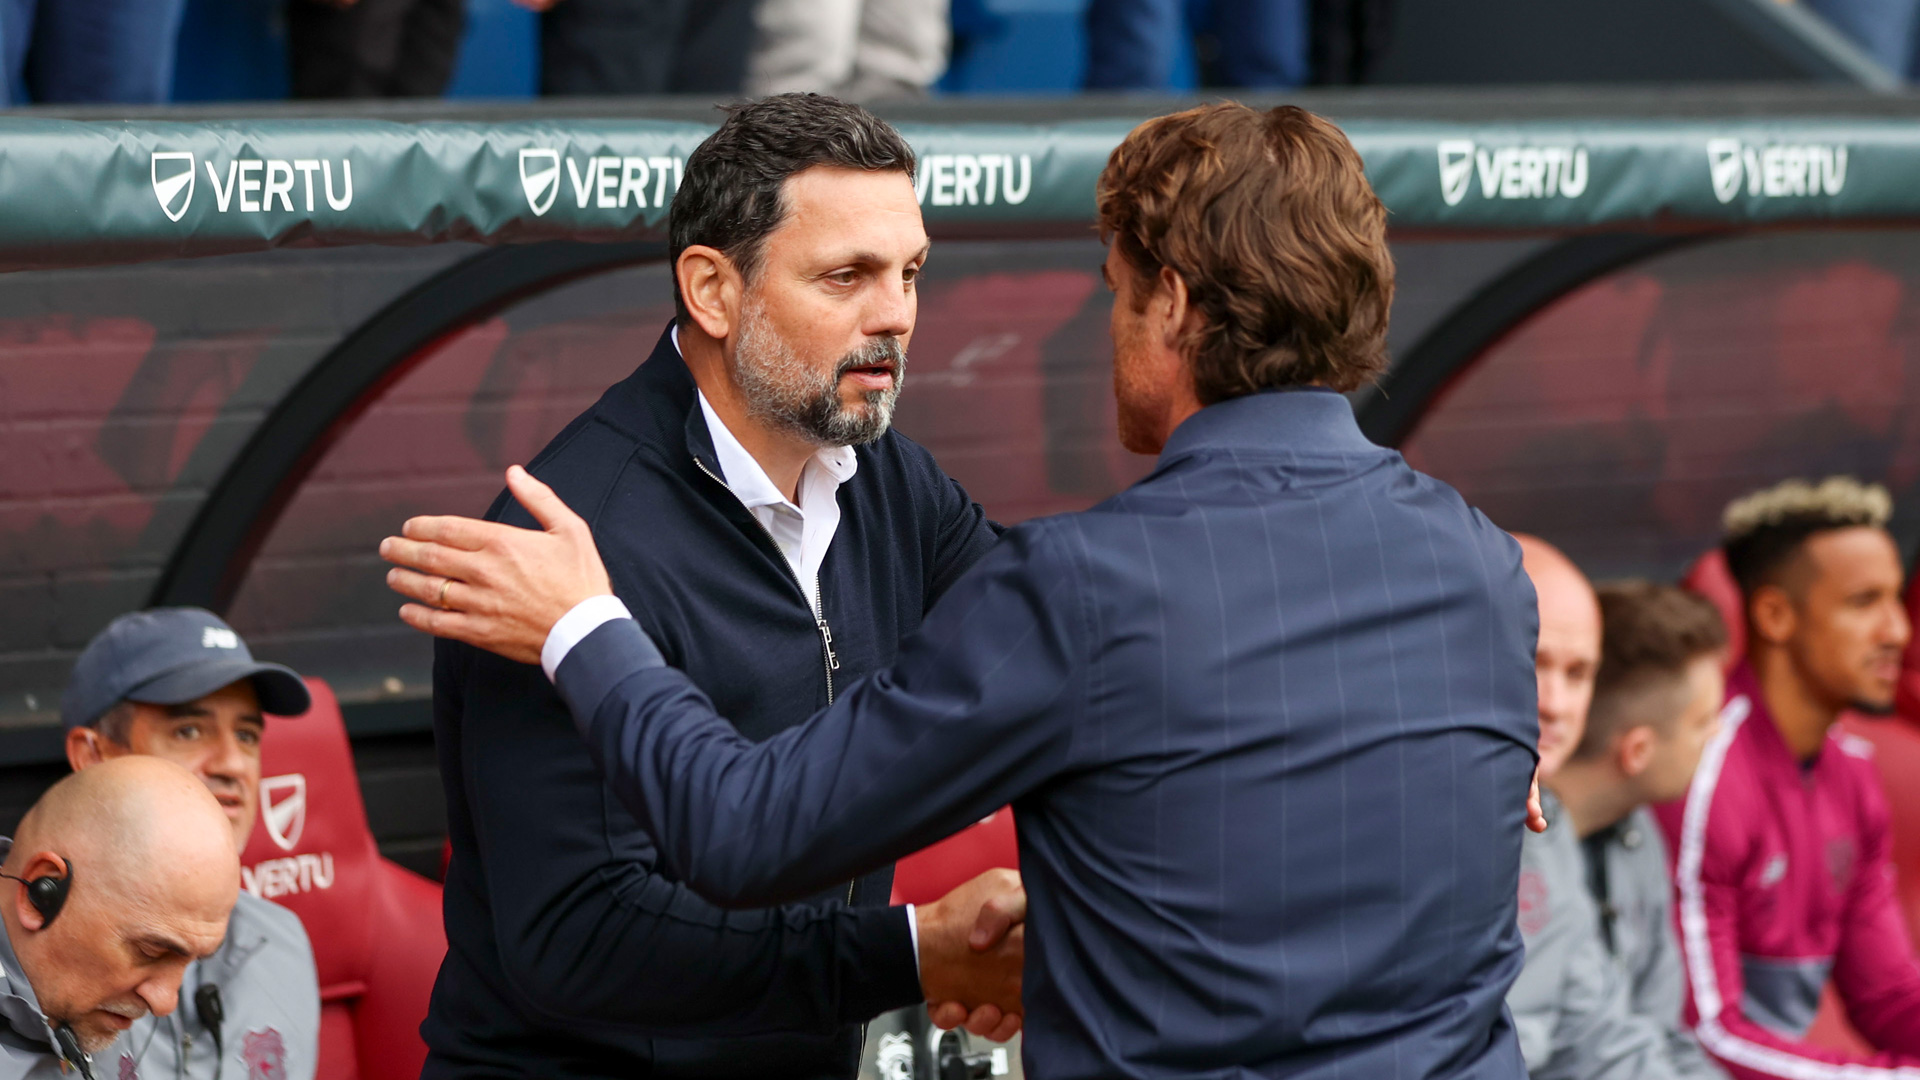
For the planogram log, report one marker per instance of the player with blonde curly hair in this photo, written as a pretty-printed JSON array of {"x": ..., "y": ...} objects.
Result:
[{"x": 1780, "y": 848}]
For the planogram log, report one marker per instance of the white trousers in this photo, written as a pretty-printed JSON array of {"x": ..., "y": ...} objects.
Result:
[{"x": 855, "y": 48}]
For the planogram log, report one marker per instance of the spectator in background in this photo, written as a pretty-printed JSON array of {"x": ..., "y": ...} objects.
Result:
[
  {"x": 858, "y": 50},
  {"x": 373, "y": 48},
  {"x": 1783, "y": 873},
  {"x": 1348, "y": 37},
  {"x": 620, "y": 47},
  {"x": 1656, "y": 702},
  {"x": 1570, "y": 1004},
  {"x": 1133, "y": 44},
  {"x": 179, "y": 684},
  {"x": 79, "y": 51}
]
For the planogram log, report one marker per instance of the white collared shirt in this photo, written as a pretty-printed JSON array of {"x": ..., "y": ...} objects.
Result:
[
  {"x": 803, "y": 536},
  {"x": 802, "y": 531}
]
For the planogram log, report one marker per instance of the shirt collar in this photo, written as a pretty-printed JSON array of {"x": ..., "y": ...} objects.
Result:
[
  {"x": 742, "y": 472},
  {"x": 1305, "y": 420}
]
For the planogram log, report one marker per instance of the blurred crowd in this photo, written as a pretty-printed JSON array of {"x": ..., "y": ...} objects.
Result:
[{"x": 123, "y": 51}]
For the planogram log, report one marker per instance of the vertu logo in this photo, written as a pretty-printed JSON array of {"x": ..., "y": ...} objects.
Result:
[
  {"x": 283, "y": 808},
  {"x": 173, "y": 181},
  {"x": 540, "y": 178}
]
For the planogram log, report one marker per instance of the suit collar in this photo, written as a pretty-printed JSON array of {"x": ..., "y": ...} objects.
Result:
[{"x": 1305, "y": 420}]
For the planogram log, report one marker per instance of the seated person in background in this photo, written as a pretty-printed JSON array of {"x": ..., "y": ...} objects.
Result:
[
  {"x": 1570, "y": 1004},
  {"x": 125, "y": 874},
  {"x": 1781, "y": 870},
  {"x": 178, "y": 683},
  {"x": 1656, "y": 702}
]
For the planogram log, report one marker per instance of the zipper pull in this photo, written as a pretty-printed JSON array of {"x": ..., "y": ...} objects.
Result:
[{"x": 826, "y": 639}]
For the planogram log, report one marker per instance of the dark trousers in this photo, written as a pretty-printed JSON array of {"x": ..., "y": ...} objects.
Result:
[
  {"x": 118, "y": 51},
  {"x": 1348, "y": 37},
  {"x": 374, "y": 48},
  {"x": 645, "y": 46},
  {"x": 1131, "y": 44}
]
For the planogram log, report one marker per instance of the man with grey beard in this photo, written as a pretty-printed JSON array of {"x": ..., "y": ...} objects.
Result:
[{"x": 779, "y": 542}]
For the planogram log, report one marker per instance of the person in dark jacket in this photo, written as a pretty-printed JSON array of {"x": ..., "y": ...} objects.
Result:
[
  {"x": 749, "y": 497},
  {"x": 1266, "y": 718}
]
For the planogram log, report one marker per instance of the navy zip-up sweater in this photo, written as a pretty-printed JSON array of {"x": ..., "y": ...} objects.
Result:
[{"x": 571, "y": 952}]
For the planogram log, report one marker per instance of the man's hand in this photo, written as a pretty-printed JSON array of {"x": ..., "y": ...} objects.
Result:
[
  {"x": 972, "y": 946},
  {"x": 1536, "y": 816},
  {"x": 492, "y": 585}
]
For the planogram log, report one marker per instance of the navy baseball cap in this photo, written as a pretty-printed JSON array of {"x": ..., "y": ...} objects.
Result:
[{"x": 170, "y": 656}]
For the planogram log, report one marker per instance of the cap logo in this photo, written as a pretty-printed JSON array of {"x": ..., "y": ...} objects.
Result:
[
  {"x": 215, "y": 638},
  {"x": 283, "y": 808}
]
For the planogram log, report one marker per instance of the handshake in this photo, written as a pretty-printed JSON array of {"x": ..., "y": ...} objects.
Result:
[{"x": 972, "y": 943}]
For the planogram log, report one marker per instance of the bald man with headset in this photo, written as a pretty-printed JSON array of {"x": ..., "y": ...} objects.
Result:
[{"x": 125, "y": 875}]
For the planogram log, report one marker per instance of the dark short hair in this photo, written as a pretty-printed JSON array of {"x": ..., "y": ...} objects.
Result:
[
  {"x": 730, "y": 195},
  {"x": 116, "y": 724},
  {"x": 1649, "y": 635},
  {"x": 1765, "y": 530},
  {"x": 1269, "y": 220}
]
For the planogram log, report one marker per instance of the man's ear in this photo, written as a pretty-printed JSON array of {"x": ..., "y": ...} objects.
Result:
[
  {"x": 43, "y": 864},
  {"x": 1773, "y": 614},
  {"x": 711, "y": 288},
  {"x": 1633, "y": 751},
  {"x": 85, "y": 747},
  {"x": 1170, "y": 298}
]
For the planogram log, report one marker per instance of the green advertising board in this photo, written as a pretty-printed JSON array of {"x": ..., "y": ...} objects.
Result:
[{"x": 98, "y": 192}]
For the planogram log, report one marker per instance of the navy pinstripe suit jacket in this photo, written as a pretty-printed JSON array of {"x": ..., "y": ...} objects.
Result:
[{"x": 1267, "y": 722}]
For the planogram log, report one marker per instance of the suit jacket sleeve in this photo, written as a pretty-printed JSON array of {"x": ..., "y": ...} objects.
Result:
[
  {"x": 980, "y": 707},
  {"x": 588, "y": 932}
]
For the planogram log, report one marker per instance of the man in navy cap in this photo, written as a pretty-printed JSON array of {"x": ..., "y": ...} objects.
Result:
[{"x": 179, "y": 684}]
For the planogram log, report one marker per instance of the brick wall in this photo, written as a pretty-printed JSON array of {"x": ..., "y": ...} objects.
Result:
[{"x": 1622, "y": 419}]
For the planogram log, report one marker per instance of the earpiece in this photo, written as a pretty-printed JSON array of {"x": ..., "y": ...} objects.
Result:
[{"x": 47, "y": 894}]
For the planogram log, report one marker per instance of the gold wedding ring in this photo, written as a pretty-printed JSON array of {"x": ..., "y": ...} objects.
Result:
[{"x": 444, "y": 586}]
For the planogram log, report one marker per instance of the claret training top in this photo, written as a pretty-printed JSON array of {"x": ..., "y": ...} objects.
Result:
[{"x": 1783, "y": 879}]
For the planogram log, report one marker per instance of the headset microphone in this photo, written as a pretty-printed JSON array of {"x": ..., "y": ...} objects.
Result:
[
  {"x": 70, "y": 1052},
  {"x": 206, "y": 1003},
  {"x": 47, "y": 893}
]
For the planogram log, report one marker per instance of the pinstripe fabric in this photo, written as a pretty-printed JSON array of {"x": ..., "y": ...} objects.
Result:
[{"x": 1267, "y": 719}]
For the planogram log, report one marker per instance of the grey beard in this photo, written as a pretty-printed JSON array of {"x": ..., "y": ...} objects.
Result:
[{"x": 785, "y": 391}]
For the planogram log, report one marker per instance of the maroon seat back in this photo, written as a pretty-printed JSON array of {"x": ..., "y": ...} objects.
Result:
[
  {"x": 931, "y": 873},
  {"x": 376, "y": 928}
]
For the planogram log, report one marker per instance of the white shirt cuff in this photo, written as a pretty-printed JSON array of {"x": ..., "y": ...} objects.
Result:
[
  {"x": 913, "y": 931},
  {"x": 586, "y": 617}
]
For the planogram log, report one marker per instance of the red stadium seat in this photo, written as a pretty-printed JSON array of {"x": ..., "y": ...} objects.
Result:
[
  {"x": 1708, "y": 576},
  {"x": 931, "y": 873},
  {"x": 1906, "y": 701},
  {"x": 376, "y": 928}
]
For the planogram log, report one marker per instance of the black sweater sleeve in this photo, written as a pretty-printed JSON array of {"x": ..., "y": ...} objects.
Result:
[{"x": 964, "y": 534}]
